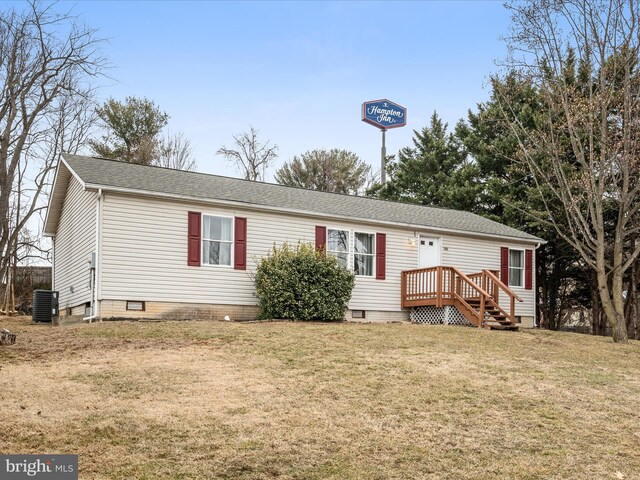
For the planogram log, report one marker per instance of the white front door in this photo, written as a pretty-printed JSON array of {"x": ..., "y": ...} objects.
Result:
[{"x": 429, "y": 252}]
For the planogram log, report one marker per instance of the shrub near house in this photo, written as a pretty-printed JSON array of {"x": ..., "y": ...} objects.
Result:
[{"x": 301, "y": 283}]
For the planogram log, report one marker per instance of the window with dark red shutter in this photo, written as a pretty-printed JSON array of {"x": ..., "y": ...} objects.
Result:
[
  {"x": 504, "y": 265},
  {"x": 193, "y": 239},
  {"x": 321, "y": 238},
  {"x": 528, "y": 269},
  {"x": 381, "y": 256},
  {"x": 240, "y": 244}
]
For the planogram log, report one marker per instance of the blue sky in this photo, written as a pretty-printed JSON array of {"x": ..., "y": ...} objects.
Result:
[{"x": 298, "y": 71}]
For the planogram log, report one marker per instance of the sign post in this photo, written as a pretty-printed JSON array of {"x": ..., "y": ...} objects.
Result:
[
  {"x": 383, "y": 159},
  {"x": 384, "y": 114}
]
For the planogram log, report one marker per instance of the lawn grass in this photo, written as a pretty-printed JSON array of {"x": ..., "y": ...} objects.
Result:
[{"x": 315, "y": 401}]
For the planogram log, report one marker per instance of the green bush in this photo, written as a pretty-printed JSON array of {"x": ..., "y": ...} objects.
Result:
[{"x": 299, "y": 283}]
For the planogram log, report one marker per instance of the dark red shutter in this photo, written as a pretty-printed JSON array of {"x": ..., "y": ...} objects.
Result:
[
  {"x": 528, "y": 269},
  {"x": 194, "y": 242},
  {"x": 381, "y": 256},
  {"x": 504, "y": 265},
  {"x": 321, "y": 238},
  {"x": 240, "y": 244}
]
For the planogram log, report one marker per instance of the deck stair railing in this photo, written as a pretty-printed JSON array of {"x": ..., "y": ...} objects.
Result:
[{"x": 477, "y": 296}]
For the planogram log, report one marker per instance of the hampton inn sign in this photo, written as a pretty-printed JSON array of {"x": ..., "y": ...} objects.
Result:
[{"x": 384, "y": 114}]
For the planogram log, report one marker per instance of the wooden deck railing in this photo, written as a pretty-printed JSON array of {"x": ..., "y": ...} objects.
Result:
[
  {"x": 476, "y": 294},
  {"x": 495, "y": 285}
]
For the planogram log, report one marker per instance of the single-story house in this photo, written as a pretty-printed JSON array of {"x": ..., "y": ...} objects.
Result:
[{"x": 134, "y": 241}]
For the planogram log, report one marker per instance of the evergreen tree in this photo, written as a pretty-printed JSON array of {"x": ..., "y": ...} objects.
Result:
[
  {"x": 132, "y": 130},
  {"x": 436, "y": 171},
  {"x": 338, "y": 171}
]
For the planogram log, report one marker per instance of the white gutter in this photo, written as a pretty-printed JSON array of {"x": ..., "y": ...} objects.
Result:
[
  {"x": 535, "y": 291},
  {"x": 94, "y": 280},
  {"x": 249, "y": 206},
  {"x": 53, "y": 263}
]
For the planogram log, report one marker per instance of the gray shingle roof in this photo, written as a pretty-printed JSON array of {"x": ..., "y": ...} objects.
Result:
[{"x": 110, "y": 173}]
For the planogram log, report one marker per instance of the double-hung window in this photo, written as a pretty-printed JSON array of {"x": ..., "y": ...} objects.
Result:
[
  {"x": 338, "y": 245},
  {"x": 363, "y": 253},
  {"x": 356, "y": 253},
  {"x": 516, "y": 268},
  {"x": 217, "y": 239}
]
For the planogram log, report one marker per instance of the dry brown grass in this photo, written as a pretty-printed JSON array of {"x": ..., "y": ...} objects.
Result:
[{"x": 308, "y": 400}]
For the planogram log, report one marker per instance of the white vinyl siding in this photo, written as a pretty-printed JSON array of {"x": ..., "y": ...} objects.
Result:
[
  {"x": 132, "y": 267},
  {"x": 73, "y": 245}
]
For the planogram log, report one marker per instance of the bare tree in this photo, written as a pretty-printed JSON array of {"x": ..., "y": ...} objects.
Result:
[
  {"x": 252, "y": 157},
  {"x": 582, "y": 56},
  {"x": 175, "y": 152},
  {"x": 45, "y": 108}
]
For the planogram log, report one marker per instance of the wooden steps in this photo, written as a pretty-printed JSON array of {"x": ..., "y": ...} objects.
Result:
[
  {"x": 475, "y": 296},
  {"x": 494, "y": 318},
  {"x": 500, "y": 326}
]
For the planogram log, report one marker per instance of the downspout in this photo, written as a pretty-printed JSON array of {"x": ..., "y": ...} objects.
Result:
[
  {"x": 94, "y": 289},
  {"x": 535, "y": 289},
  {"x": 53, "y": 263}
]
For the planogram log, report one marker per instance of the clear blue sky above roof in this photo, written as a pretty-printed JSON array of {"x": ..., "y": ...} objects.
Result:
[{"x": 298, "y": 71}]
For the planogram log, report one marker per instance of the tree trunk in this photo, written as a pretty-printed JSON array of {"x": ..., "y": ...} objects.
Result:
[
  {"x": 620, "y": 333},
  {"x": 611, "y": 299},
  {"x": 631, "y": 309},
  {"x": 596, "y": 308},
  {"x": 544, "y": 307},
  {"x": 636, "y": 321},
  {"x": 548, "y": 281}
]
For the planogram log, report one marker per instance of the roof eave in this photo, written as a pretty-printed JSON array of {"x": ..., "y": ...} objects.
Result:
[
  {"x": 48, "y": 229},
  {"x": 47, "y": 232}
]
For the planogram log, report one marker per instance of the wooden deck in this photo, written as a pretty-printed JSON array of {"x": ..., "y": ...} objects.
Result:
[{"x": 476, "y": 296}]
